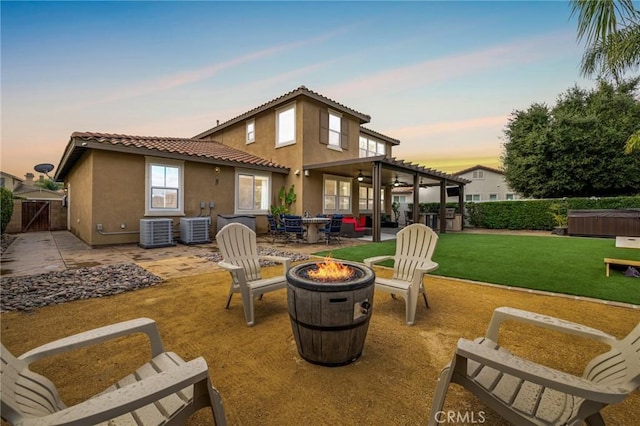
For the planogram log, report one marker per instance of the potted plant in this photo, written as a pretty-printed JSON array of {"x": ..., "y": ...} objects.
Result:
[
  {"x": 559, "y": 214},
  {"x": 395, "y": 207},
  {"x": 287, "y": 198}
]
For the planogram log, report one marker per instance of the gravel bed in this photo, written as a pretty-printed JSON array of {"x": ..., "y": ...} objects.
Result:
[
  {"x": 262, "y": 251},
  {"x": 24, "y": 293}
]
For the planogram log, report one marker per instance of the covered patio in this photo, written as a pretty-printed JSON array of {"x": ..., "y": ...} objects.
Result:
[{"x": 382, "y": 171}]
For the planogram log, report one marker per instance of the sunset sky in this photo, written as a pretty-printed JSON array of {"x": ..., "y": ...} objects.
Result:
[{"x": 443, "y": 77}]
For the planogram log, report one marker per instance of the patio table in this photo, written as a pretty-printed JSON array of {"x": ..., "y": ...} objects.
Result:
[{"x": 312, "y": 224}]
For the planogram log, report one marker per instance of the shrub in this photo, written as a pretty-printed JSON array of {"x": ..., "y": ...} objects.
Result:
[
  {"x": 537, "y": 214},
  {"x": 6, "y": 207}
]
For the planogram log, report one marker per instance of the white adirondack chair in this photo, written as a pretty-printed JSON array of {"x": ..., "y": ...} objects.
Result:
[
  {"x": 167, "y": 390},
  {"x": 415, "y": 245},
  {"x": 526, "y": 393},
  {"x": 237, "y": 243}
]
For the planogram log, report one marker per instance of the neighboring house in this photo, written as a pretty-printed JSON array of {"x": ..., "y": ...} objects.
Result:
[
  {"x": 485, "y": 184},
  {"x": 300, "y": 139},
  {"x": 9, "y": 181},
  {"x": 28, "y": 190}
]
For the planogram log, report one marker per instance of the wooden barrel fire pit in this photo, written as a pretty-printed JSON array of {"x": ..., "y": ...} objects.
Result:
[{"x": 330, "y": 316}]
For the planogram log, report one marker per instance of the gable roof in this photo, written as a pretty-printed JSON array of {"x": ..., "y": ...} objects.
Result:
[
  {"x": 179, "y": 148},
  {"x": 476, "y": 167},
  {"x": 287, "y": 97},
  {"x": 11, "y": 176}
]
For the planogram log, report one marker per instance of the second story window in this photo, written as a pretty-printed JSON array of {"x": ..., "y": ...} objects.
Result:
[
  {"x": 251, "y": 131},
  {"x": 286, "y": 125},
  {"x": 478, "y": 174},
  {"x": 334, "y": 129},
  {"x": 371, "y": 147}
]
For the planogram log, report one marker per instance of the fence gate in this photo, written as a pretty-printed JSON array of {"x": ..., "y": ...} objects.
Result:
[{"x": 35, "y": 216}]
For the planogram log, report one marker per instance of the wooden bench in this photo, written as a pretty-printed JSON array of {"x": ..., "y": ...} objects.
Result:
[{"x": 625, "y": 262}]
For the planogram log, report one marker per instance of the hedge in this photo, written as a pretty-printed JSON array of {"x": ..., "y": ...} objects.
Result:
[
  {"x": 537, "y": 214},
  {"x": 529, "y": 214}
]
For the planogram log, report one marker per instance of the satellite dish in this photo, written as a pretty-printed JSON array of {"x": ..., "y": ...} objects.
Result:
[{"x": 43, "y": 168}]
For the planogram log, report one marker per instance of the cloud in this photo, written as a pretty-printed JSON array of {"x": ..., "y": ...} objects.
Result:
[
  {"x": 426, "y": 130},
  {"x": 192, "y": 76},
  {"x": 519, "y": 52}
]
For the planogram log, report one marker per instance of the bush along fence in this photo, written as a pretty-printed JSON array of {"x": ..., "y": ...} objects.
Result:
[{"x": 530, "y": 214}]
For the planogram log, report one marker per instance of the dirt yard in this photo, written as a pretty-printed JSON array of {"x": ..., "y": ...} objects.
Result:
[{"x": 264, "y": 381}]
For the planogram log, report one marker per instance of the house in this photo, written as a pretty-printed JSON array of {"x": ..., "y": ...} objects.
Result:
[
  {"x": 485, "y": 184},
  {"x": 301, "y": 140},
  {"x": 9, "y": 181}
]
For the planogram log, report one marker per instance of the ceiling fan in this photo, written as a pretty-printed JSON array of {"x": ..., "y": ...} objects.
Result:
[{"x": 396, "y": 183}]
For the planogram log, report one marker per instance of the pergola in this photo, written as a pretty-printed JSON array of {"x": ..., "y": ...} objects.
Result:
[{"x": 384, "y": 171}]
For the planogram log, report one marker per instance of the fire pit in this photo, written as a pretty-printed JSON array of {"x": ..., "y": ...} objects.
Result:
[{"x": 330, "y": 304}]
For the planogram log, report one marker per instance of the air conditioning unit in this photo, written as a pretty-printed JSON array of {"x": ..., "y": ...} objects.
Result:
[
  {"x": 195, "y": 230},
  {"x": 156, "y": 233}
]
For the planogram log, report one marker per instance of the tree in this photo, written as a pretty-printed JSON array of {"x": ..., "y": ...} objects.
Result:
[
  {"x": 48, "y": 184},
  {"x": 611, "y": 29},
  {"x": 6, "y": 208},
  {"x": 575, "y": 148}
]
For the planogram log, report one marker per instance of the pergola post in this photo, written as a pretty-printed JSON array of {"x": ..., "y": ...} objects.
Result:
[
  {"x": 443, "y": 206},
  {"x": 377, "y": 200}
]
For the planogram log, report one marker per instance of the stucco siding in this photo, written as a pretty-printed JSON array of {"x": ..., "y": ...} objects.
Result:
[{"x": 80, "y": 192}]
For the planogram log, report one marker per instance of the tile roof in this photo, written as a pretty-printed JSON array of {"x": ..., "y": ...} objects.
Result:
[
  {"x": 300, "y": 91},
  {"x": 373, "y": 133},
  {"x": 199, "y": 150}
]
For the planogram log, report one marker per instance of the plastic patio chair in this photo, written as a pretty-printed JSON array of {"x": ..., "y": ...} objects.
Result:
[
  {"x": 166, "y": 390},
  {"x": 527, "y": 393},
  {"x": 415, "y": 245},
  {"x": 237, "y": 244}
]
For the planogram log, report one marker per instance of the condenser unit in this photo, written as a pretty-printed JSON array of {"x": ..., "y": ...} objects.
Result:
[
  {"x": 156, "y": 233},
  {"x": 194, "y": 230}
]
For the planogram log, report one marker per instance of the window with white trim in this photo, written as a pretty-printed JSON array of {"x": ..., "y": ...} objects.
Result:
[
  {"x": 371, "y": 147},
  {"x": 286, "y": 125},
  {"x": 478, "y": 174},
  {"x": 510, "y": 196},
  {"x": 164, "y": 187},
  {"x": 402, "y": 199},
  {"x": 365, "y": 198},
  {"x": 336, "y": 195},
  {"x": 472, "y": 197},
  {"x": 335, "y": 120},
  {"x": 253, "y": 191},
  {"x": 493, "y": 197},
  {"x": 251, "y": 131}
]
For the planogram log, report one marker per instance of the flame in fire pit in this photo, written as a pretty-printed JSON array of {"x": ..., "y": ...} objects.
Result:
[{"x": 330, "y": 271}]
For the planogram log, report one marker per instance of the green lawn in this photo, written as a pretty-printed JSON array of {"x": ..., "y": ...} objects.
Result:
[{"x": 561, "y": 265}]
